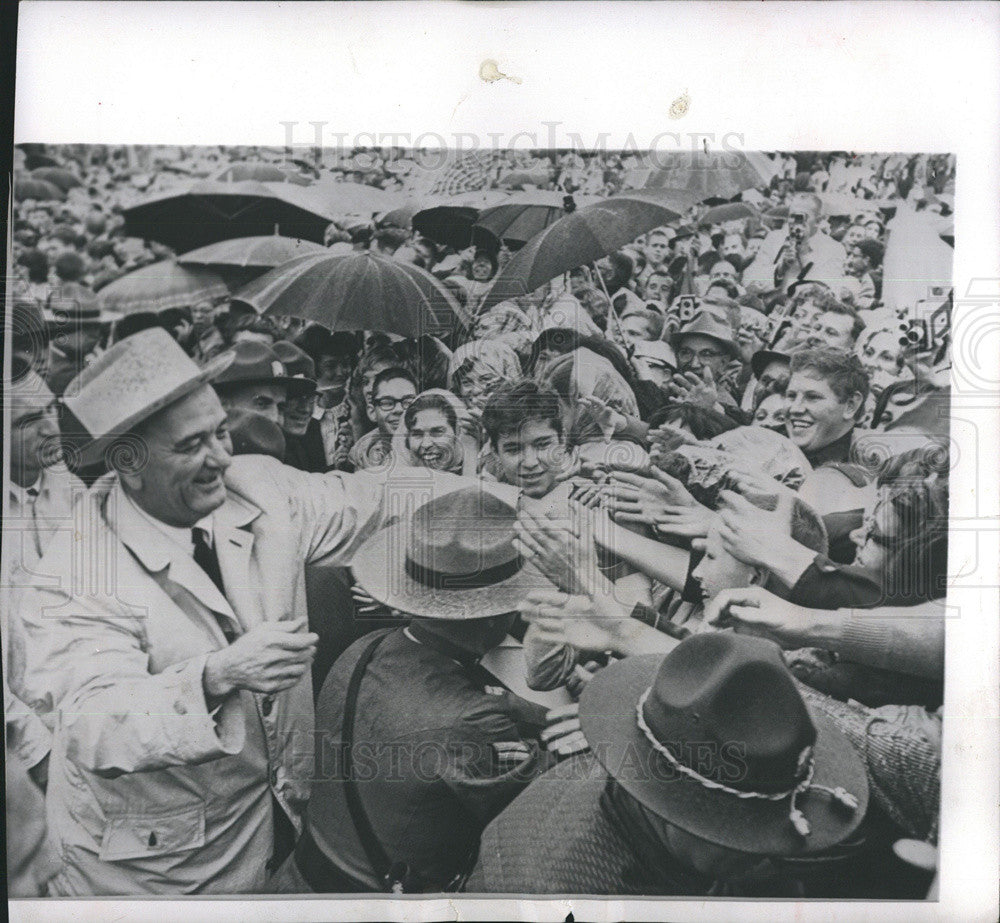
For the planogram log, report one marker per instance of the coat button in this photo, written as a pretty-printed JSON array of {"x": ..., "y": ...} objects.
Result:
[
  {"x": 267, "y": 705},
  {"x": 152, "y": 838},
  {"x": 180, "y": 708}
]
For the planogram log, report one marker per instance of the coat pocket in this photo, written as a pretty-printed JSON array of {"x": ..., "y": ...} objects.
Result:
[{"x": 139, "y": 836}]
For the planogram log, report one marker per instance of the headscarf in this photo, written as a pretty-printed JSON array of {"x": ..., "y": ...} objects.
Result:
[
  {"x": 402, "y": 452},
  {"x": 506, "y": 323},
  {"x": 566, "y": 311},
  {"x": 492, "y": 356},
  {"x": 582, "y": 373}
]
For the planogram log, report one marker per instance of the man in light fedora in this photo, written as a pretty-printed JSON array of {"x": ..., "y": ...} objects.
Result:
[
  {"x": 704, "y": 765},
  {"x": 171, "y": 656},
  {"x": 708, "y": 362},
  {"x": 438, "y": 745}
]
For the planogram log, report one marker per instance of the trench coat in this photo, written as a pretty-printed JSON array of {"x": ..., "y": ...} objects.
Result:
[{"x": 149, "y": 791}]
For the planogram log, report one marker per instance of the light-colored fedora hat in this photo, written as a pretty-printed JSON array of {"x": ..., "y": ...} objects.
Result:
[
  {"x": 130, "y": 382},
  {"x": 454, "y": 558}
]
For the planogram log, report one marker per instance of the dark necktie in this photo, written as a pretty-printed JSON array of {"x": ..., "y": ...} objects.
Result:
[
  {"x": 33, "y": 501},
  {"x": 206, "y": 559}
]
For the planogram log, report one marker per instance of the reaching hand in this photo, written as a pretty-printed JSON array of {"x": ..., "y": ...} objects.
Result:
[
  {"x": 647, "y": 500},
  {"x": 609, "y": 420},
  {"x": 589, "y": 624},
  {"x": 666, "y": 439},
  {"x": 751, "y": 534},
  {"x": 268, "y": 658},
  {"x": 563, "y": 734},
  {"x": 563, "y": 550},
  {"x": 693, "y": 388},
  {"x": 755, "y": 611}
]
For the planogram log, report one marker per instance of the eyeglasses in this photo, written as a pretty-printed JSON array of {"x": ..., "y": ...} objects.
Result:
[
  {"x": 705, "y": 355},
  {"x": 390, "y": 403}
]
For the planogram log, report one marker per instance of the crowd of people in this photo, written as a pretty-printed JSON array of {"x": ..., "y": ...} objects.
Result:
[{"x": 632, "y": 584}]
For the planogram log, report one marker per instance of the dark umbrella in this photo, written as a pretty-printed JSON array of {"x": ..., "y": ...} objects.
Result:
[
  {"x": 713, "y": 174},
  {"x": 162, "y": 285},
  {"x": 447, "y": 224},
  {"x": 524, "y": 216},
  {"x": 584, "y": 236},
  {"x": 208, "y": 211},
  {"x": 39, "y": 189},
  {"x": 58, "y": 176},
  {"x": 261, "y": 173},
  {"x": 356, "y": 291},
  {"x": 243, "y": 259}
]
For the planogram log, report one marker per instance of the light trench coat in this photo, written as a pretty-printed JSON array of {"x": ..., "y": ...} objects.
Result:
[{"x": 149, "y": 792}]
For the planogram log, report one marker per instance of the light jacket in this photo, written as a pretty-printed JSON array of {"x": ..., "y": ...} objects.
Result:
[{"x": 148, "y": 791}]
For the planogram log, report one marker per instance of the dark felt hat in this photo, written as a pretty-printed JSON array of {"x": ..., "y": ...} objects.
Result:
[
  {"x": 716, "y": 739},
  {"x": 761, "y": 359},
  {"x": 256, "y": 363}
]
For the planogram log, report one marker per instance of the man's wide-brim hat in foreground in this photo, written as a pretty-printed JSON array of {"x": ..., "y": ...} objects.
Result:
[
  {"x": 454, "y": 558},
  {"x": 717, "y": 740},
  {"x": 131, "y": 381}
]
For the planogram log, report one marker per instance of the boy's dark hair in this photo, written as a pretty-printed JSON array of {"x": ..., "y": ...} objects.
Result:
[
  {"x": 513, "y": 405},
  {"x": 842, "y": 370},
  {"x": 397, "y": 371}
]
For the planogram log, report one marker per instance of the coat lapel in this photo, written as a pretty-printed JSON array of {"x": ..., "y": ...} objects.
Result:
[
  {"x": 234, "y": 545},
  {"x": 162, "y": 557}
]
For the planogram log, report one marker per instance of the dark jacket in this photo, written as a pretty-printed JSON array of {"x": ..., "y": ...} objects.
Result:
[
  {"x": 305, "y": 452},
  {"x": 437, "y": 756}
]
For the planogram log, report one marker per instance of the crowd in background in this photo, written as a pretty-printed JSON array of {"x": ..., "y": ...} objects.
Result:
[{"x": 749, "y": 440}]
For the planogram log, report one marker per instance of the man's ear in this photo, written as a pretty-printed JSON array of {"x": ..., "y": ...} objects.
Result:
[{"x": 852, "y": 406}]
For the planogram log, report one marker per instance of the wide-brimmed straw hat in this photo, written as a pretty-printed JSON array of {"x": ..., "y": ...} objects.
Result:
[
  {"x": 717, "y": 740},
  {"x": 131, "y": 381},
  {"x": 454, "y": 558}
]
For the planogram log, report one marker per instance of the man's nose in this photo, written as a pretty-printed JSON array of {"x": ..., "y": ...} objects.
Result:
[{"x": 219, "y": 454}]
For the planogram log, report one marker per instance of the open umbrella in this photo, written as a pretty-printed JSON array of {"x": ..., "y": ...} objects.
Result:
[
  {"x": 261, "y": 173},
  {"x": 243, "y": 259},
  {"x": 161, "y": 285},
  {"x": 712, "y": 174},
  {"x": 348, "y": 198},
  {"x": 356, "y": 291},
  {"x": 58, "y": 176},
  {"x": 731, "y": 211},
  {"x": 450, "y": 225},
  {"x": 208, "y": 211},
  {"x": 38, "y": 189},
  {"x": 523, "y": 215},
  {"x": 584, "y": 236}
]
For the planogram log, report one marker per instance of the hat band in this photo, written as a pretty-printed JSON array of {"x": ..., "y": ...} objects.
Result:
[
  {"x": 443, "y": 580},
  {"x": 807, "y": 760}
]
